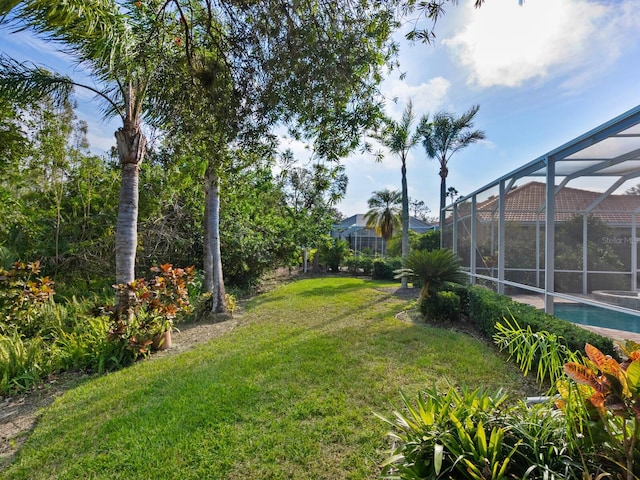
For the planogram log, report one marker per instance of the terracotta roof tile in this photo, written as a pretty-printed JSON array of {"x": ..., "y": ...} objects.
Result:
[{"x": 525, "y": 204}]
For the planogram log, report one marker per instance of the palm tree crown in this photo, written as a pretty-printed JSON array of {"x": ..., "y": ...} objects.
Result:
[
  {"x": 385, "y": 212},
  {"x": 445, "y": 135}
]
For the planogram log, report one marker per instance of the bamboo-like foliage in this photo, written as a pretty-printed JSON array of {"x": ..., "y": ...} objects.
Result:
[{"x": 541, "y": 352}]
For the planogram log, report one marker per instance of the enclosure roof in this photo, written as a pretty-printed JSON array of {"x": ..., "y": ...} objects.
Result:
[{"x": 610, "y": 150}]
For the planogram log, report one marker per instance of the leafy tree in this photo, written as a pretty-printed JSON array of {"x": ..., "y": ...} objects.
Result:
[
  {"x": 445, "y": 135},
  {"x": 242, "y": 68},
  {"x": 385, "y": 212},
  {"x": 311, "y": 195},
  {"x": 418, "y": 209},
  {"x": 431, "y": 10},
  {"x": 399, "y": 139}
]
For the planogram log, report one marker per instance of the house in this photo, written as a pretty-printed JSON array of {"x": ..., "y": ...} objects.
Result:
[{"x": 354, "y": 231}]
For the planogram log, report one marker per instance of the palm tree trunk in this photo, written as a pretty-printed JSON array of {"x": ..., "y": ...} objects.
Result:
[
  {"x": 443, "y": 195},
  {"x": 405, "y": 221},
  {"x": 131, "y": 146},
  {"x": 214, "y": 280}
]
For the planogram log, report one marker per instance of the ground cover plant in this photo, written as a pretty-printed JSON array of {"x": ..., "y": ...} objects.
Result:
[{"x": 290, "y": 393}]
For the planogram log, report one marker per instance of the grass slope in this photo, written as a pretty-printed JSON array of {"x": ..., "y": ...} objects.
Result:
[{"x": 288, "y": 395}]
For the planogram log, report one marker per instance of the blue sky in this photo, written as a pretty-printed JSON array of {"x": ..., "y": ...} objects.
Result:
[{"x": 543, "y": 73}]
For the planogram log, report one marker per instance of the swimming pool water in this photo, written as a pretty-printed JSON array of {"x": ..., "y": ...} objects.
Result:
[{"x": 597, "y": 317}]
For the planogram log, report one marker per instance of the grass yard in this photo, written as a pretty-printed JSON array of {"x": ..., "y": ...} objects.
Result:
[{"x": 289, "y": 394}]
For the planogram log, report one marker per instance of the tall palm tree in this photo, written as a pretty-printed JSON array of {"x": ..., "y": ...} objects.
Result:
[
  {"x": 444, "y": 136},
  {"x": 399, "y": 139},
  {"x": 385, "y": 212},
  {"x": 107, "y": 41}
]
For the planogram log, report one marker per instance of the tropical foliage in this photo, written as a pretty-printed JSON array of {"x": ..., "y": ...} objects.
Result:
[
  {"x": 587, "y": 428},
  {"x": 599, "y": 399},
  {"x": 433, "y": 269}
]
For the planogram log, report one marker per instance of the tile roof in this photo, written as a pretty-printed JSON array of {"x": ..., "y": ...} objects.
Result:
[{"x": 526, "y": 204}]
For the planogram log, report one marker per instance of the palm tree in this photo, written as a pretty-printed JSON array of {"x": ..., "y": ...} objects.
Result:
[
  {"x": 444, "y": 136},
  {"x": 399, "y": 139},
  {"x": 385, "y": 212},
  {"x": 107, "y": 41}
]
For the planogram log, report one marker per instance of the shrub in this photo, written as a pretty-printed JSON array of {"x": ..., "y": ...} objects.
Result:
[
  {"x": 428, "y": 241},
  {"x": 360, "y": 262},
  {"x": 155, "y": 303},
  {"x": 23, "y": 295},
  {"x": 334, "y": 253},
  {"x": 441, "y": 307},
  {"x": 486, "y": 308},
  {"x": 384, "y": 268},
  {"x": 599, "y": 408}
]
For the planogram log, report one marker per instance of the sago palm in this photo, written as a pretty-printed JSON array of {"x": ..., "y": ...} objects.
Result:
[
  {"x": 384, "y": 213},
  {"x": 434, "y": 269},
  {"x": 443, "y": 136}
]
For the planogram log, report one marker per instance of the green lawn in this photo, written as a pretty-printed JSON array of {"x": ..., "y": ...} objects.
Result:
[{"x": 290, "y": 394}]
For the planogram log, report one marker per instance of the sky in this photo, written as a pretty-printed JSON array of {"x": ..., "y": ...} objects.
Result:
[{"x": 543, "y": 73}]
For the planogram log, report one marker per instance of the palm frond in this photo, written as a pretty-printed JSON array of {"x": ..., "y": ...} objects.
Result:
[
  {"x": 94, "y": 32},
  {"x": 436, "y": 268},
  {"x": 26, "y": 82}
]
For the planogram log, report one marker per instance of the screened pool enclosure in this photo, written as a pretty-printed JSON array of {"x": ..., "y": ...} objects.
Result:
[{"x": 564, "y": 226}]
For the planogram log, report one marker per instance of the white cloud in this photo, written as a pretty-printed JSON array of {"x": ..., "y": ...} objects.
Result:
[
  {"x": 426, "y": 97},
  {"x": 507, "y": 44}
]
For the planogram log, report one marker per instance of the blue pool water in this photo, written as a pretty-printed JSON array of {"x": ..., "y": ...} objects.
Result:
[{"x": 597, "y": 317}]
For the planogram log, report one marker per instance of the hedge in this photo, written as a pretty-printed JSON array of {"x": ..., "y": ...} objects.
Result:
[{"x": 485, "y": 308}]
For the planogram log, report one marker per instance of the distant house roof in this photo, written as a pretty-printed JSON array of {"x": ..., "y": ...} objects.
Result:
[
  {"x": 357, "y": 223},
  {"x": 526, "y": 204}
]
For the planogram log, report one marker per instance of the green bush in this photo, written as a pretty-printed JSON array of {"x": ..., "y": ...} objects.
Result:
[
  {"x": 428, "y": 241},
  {"x": 384, "y": 268},
  {"x": 334, "y": 253},
  {"x": 360, "y": 262},
  {"x": 486, "y": 308},
  {"x": 442, "y": 306}
]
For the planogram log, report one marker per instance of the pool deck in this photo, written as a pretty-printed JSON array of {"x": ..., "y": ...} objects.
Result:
[{"x": 617, "y": 335}]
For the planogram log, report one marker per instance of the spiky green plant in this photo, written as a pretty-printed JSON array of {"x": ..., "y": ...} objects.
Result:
[{"x": 434, "y": 269}]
